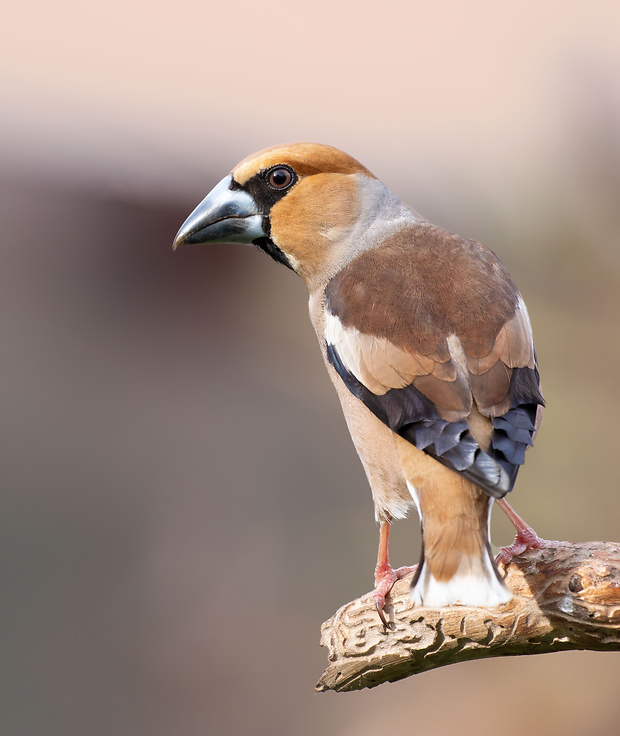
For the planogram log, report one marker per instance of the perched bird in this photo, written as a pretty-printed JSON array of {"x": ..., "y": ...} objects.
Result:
[{"x": 426, "y": 339}]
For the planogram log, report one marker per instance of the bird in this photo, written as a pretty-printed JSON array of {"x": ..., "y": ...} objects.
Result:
[{"x": 427, "y": 341}]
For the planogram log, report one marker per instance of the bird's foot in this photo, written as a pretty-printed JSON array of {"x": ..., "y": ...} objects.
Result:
[
  {"x": 385, "y": 577},
  {"x": 526, "y": 539}
]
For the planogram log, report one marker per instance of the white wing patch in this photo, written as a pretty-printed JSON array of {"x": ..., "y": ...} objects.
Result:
[{"x": 375, "y": 361}]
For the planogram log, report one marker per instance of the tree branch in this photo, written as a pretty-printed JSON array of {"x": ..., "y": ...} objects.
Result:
[{"x": 566, "y": 596}]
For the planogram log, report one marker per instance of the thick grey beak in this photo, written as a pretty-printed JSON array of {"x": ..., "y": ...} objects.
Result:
[{"x": 225, "y": 215}]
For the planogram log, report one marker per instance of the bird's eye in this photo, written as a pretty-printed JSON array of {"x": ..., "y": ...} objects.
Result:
[{"x": 280, "y": 178}]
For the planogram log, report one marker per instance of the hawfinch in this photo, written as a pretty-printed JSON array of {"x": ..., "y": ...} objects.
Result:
[{"x": 426, "y": 339}]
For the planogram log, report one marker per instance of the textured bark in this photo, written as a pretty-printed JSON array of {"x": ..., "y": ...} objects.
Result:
[{"x": 566, "y": 596}]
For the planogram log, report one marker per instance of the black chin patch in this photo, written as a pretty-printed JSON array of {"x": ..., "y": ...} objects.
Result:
[{"x": 271, "y": 249}]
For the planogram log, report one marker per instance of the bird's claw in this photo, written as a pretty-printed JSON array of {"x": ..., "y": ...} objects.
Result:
[
  {"x": 525, "y": 539},
  {"x": 379, "y": 605},
  {"x": 385, "y": 577}
]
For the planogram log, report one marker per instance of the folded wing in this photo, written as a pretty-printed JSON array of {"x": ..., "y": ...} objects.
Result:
[{"x": 429, "y": 337}]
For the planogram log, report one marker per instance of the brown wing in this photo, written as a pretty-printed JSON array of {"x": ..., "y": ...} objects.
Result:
[
  {"x": 381, "y": 366},
  {"x": 490, "y": 375},
  {"x": 422, "y": 328}
]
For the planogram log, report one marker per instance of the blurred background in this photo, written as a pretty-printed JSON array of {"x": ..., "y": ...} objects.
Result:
[{"x": 182, "y": 505}]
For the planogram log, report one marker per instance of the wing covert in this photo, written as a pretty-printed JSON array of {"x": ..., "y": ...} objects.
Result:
[{"x": 422, "y": 360}]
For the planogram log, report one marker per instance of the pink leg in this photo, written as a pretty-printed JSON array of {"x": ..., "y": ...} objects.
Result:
[
  {"x": 526, "y": 537},
  {"x": 385, "y": 575}
]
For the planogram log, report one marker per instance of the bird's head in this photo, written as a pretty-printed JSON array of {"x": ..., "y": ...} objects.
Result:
[{"x": 298, "y": 202}]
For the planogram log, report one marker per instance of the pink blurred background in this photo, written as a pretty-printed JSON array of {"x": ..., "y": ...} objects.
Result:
[{"x": 182, "y": 506}]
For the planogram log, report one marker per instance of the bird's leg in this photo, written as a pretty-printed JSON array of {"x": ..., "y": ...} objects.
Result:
[
  {"x": 385, "y": 575},
  {"x": 526, "y": 537}
]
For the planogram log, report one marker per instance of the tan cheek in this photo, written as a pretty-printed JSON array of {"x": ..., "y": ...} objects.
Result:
[{"x": 308, "y": 223}]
